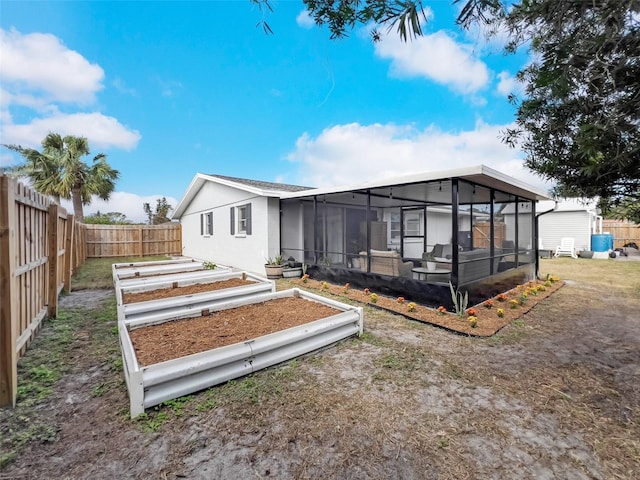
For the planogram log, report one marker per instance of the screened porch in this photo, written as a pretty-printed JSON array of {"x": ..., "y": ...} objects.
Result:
[{"x": 412, "y": 238}]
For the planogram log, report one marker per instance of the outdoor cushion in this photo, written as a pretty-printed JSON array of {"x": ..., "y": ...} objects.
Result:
[{"x": 386, "y": 262}]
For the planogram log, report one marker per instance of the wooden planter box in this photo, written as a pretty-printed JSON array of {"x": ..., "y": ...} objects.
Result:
[
  {"x": 163, "y": 309},
  {"x": 153, "y": 384}
]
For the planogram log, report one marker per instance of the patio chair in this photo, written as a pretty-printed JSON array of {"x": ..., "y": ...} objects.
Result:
[{"x": 566, "y": 248}]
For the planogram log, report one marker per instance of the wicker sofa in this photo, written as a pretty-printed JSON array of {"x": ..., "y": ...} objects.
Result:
[
  {"x": 441, "y": 255},
  {"x": 475, "y": 264},
  {"x": 386, "y": 262}
]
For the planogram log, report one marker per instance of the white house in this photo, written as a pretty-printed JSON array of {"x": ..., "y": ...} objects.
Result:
[
  {"x": 232, "y": 221},
  {"x": 372, "y": 233}
]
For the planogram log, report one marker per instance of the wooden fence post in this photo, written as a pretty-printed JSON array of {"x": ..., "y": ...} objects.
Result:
[
  {"x": 8, "y": 295},
  {"x": 69, "y": 252},
  {"x": 52, "y": 300},
  {"x": 140, "y": 246}
]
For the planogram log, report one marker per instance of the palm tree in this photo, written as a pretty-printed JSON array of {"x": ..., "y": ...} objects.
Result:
[{"x": 58, "y": 171}]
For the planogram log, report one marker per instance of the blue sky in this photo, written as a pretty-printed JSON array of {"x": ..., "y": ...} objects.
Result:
[{"x": 170, "y": 89}]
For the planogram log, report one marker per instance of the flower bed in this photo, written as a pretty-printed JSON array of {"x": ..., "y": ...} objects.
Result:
[{"x": 482, "y": 320}]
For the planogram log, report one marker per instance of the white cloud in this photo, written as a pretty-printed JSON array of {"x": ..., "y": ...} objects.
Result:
[
  {"x": 101, "y": 131},
  {"x": 129, "y": 204},
  {"x": 347, "y": 154},
  {"x": 40, "y": 62},
  {"x": 437, "y": 57},
  {"x": 508, "y": 84},
  {"x": 39, "y": 73},
  {"x": 304, "y": 20}
]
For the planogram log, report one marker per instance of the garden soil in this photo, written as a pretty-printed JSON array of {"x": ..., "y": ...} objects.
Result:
[{"x": 555, "y": 394}]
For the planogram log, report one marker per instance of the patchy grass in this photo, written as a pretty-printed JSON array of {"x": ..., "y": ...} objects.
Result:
[
  {"x": 605, "y": 275},
  {"x": 96, "y": 272},
  {"x": 554, "y": 394},
  {"x": 50, "y": 357}
]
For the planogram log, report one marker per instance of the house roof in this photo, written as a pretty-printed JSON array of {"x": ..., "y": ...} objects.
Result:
[
  {"x": 255, "y": 187},
  {"x": 480, "y": 175},
  {"x": 266, "y": 186}
]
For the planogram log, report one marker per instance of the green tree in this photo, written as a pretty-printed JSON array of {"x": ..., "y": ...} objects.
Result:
[
  {"x": 161, "y": 214},
  {"x": 58, "y": 171},
  {"x": 341, "y": 16},
  {"x": 110, "y": 218},
  {"x": 578, "y": 120}
]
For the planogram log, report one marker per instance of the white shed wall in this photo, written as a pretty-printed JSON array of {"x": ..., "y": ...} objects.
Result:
[
  {"x": 246, "y": 252},
  {"x": 557, "y": 225}
]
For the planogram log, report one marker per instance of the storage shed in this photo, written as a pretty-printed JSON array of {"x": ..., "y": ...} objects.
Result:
[{"x": 569, "y": 217}]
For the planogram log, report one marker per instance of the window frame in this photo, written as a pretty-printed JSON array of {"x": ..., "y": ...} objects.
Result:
[
  {"x": 240, "y": 225},
  {"x": 206, "y": 224}
]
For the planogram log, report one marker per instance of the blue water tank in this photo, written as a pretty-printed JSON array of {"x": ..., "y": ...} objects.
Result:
[{"x": 601, "y": 242}]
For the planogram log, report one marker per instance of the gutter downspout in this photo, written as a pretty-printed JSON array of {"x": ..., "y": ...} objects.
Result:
[{"x": 537, "y": 233}]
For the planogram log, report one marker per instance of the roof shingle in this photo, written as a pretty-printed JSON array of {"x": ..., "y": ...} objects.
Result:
[{"x": 282, "y": 187}]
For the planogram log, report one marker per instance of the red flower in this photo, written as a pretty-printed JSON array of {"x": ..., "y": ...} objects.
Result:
[
  {"x": 367, "y": 291},
  {"x": 472, "y": 312},
  {"x": 400, "y": 300}
]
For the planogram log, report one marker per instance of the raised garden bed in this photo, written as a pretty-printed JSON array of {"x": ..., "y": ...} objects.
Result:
[
  {"x": 237, "y": 337},
  {"x": 122, "y": 271},
  {"x": 172, "y": 277},
  {"x": 165, "y": 300}
]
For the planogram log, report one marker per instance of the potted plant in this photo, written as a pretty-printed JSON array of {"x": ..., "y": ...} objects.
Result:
[
  {"x": 292, "y": 269},
  {"x": 428, "y": 261},
  {"x": 273, "y": 267}
]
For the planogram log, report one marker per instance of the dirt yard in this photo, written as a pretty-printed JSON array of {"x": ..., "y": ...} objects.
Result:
[{"x": 556, "y": 394}]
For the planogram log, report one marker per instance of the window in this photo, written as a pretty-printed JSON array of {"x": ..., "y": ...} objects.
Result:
[
  {"x": 240, "y": 221},
  {"x": 395, "y": 227},
  {"x": 206, "y": 223},
  {"x": 413, "y": 224}
]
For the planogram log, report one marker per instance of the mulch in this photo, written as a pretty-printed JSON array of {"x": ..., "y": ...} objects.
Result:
[
  {"x": 177, "y": 291},
  {"x": 179, "y": 338},
  {"x": 488, "y": 322}
]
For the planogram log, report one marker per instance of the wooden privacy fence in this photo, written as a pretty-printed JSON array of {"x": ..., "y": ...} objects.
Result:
[
  {"x": 40, "y": 248},
  {"x": 133, "y": 240},
  {"x": 623, "y": 232}
]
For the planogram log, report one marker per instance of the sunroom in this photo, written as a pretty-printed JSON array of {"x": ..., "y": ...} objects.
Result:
[{"x": 413, "y": 236}]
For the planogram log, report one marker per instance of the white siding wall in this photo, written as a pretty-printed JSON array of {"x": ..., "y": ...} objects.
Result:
[
  {"x": 271, "y": 225},
  {"x": 525, "y": 235},
  {"x": 292, "y": 230},
  {"x": 246, "y": 252},
  {"x": 439, "y": 228},
  {"x": 556, "y": 225}
]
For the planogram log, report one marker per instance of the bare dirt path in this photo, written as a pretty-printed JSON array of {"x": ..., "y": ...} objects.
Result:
[{"x": 554, "y": 395}]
